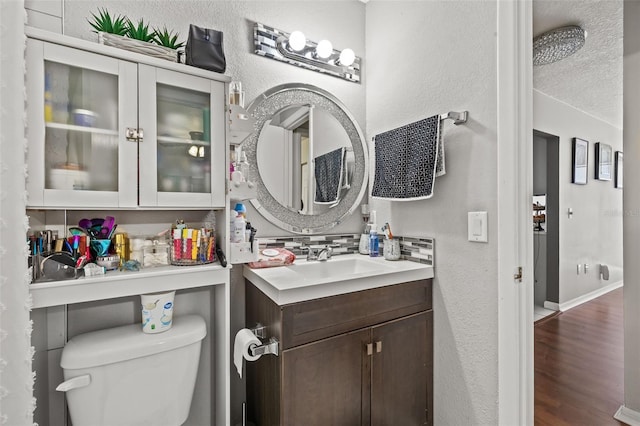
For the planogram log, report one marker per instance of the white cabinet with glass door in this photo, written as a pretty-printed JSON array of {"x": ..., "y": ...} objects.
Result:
[
  {"x": 182, "y": 157},
  {"x": 105, "y": 132},
  {"x": 79, "y": 105}
]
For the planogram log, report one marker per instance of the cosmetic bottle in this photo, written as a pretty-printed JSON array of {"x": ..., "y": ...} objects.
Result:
[
  {"x": 241, "y": 210},
  {"x": 243, "y": 167},
  {"x": 236, "y": 94},
  {"x": 373, "y": 242},
  {"x": 239, "y": 226}
]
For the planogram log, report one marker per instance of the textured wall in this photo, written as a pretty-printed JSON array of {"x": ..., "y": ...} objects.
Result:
[
  {"x": 16, "y": 379},
  {"x": 342, "y": 22},
  {"x": 427, "y": 58},
  {"x": 593, "y": 235}
]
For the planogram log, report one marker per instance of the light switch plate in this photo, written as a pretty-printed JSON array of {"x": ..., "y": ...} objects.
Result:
[{"x": 477, "y": 227}]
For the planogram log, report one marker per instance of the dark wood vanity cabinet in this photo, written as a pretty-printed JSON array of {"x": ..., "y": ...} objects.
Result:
[{"x": 361, "y": 358}]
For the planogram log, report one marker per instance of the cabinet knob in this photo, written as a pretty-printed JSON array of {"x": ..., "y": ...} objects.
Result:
[{"x": 378, "y": 346}]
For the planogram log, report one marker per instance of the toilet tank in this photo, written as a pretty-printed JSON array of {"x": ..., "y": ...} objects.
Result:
[{"x": 122, "y": 376}]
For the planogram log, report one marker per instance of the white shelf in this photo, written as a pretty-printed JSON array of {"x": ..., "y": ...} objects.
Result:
[
  {"x": 127, "y": 283},
  {"x": 240, "y": 191},
  {"x": 240, "y": 124},
  {"x": 84, "y": 129}
]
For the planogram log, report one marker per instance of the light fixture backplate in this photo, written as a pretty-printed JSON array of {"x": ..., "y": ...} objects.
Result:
[{"x": 271, "y": 43}]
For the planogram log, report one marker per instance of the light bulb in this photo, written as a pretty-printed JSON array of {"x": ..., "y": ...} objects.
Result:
[
  {"x": 347, "y": 57},
  {"x": 324, "y": 49},
  {"x": 297, "y": 41}
]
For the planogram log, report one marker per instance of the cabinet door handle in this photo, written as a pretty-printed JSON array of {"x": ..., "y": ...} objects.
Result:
[
  {"x": 378, "y": 346},
  {"x": 369, "y": 348},
  {"x": 134, "y": 135}
]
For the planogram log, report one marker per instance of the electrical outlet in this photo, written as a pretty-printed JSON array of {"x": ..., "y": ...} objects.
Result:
[
  {"x": 579, "y": 268},
  {"x": 586, "y": 268}
]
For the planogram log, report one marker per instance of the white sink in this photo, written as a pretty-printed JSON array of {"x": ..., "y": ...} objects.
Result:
[
  {"x": 337, "y": 266},
  {"x": 305, "y": 280}
]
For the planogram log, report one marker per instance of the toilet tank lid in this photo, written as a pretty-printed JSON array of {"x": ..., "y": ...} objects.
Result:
[{"x": 127, "y": 342}]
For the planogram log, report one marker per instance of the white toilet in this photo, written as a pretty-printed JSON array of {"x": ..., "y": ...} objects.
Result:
[{"x": 122, "y": 376}]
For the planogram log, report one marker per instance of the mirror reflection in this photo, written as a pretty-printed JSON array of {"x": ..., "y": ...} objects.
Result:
[{"x": 305, "y": 159}]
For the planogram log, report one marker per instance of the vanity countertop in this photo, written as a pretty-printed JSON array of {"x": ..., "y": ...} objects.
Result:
[{"x": 306, "y": 280}]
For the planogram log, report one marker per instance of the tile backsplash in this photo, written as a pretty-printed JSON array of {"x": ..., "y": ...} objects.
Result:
[{"x": 412, "y": 248}]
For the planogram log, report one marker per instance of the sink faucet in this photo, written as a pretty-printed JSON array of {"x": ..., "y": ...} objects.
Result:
[
  {"x": 321, "y": 254},
  {"x": 325, "y": 253}
]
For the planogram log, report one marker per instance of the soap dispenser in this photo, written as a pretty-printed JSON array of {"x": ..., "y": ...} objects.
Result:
[{"x": 363, "y": 247}]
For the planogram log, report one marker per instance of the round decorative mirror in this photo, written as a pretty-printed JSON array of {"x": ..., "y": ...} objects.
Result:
[{"x": 310, "y": 156}]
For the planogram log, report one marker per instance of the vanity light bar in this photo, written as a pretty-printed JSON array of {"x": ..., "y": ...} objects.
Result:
[{"x": 273, "y": 43}]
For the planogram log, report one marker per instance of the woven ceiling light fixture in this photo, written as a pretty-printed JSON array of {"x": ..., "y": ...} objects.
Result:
[{"x": 557, "y": 44}]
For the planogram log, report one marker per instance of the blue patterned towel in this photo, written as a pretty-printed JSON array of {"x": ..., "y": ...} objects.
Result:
[
  {"x": 328, "y": 174},
  {"x": 408, "y": 159}
]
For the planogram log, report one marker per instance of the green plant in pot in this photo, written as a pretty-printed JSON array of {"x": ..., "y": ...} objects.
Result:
[
  {"x": 167, "y": 38},
  {"x": 140, "y": 31},
  {"x": 104, "y": 22}
]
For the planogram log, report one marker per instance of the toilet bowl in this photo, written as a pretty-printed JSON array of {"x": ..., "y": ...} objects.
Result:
[{"x": 124, "y": 377}]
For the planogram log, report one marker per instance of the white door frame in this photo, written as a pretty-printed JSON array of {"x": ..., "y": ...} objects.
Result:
[{"x": 515, "y": 188}]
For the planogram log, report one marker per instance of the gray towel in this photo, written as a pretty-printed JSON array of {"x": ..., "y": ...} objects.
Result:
[
  {"x": 408, "y": 159},
  {"x": 328, "y": 173}
]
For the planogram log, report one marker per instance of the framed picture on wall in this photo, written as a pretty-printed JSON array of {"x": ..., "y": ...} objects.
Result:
[
  {"x": 618, "y": 169},
  {"x": 604, "y": 161},
  {"x": 580, "y": 156}
]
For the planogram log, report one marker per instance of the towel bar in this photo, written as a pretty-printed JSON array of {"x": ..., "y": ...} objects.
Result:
[{"x": 457, "y": 117}]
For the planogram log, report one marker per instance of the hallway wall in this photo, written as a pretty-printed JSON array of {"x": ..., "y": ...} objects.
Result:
[{"x": 593, "y": 234}]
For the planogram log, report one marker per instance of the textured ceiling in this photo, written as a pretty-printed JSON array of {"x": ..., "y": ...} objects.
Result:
[{"x": 591, "y": 79}]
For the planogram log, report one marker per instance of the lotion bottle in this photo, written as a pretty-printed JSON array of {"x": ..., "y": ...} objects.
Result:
[{"x": 239, "y": 226}]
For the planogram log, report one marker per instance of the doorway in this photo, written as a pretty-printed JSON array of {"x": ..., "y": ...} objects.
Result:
[{"x": 545, "y": 225}]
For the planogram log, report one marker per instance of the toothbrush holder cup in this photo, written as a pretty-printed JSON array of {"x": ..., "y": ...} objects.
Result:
[{"x": 391, "y": 249}]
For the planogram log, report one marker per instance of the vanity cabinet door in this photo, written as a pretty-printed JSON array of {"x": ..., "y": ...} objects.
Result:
[
  {"x": 79, "y": 107},
  {"x": 366, "y": 358},
  {"x": 327, "y": 382},
  {"x": 182, "y": 158},
  {"x": 401, "y": 371}
]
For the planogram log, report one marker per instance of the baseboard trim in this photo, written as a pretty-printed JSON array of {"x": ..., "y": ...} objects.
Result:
[
  {"x": 582, "y": 299},
  {"x": 628, "y": 416},
  {"x": 589, "y": 296},
  {"x": 547, "y": 318}
]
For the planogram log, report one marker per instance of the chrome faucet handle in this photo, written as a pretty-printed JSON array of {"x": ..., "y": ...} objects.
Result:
[
  {"x": 329, "y": 251},
  {"x": 311, "y": 253}
]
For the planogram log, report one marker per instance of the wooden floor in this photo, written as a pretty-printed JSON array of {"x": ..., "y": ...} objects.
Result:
[{"x": 579, "y": 364}]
